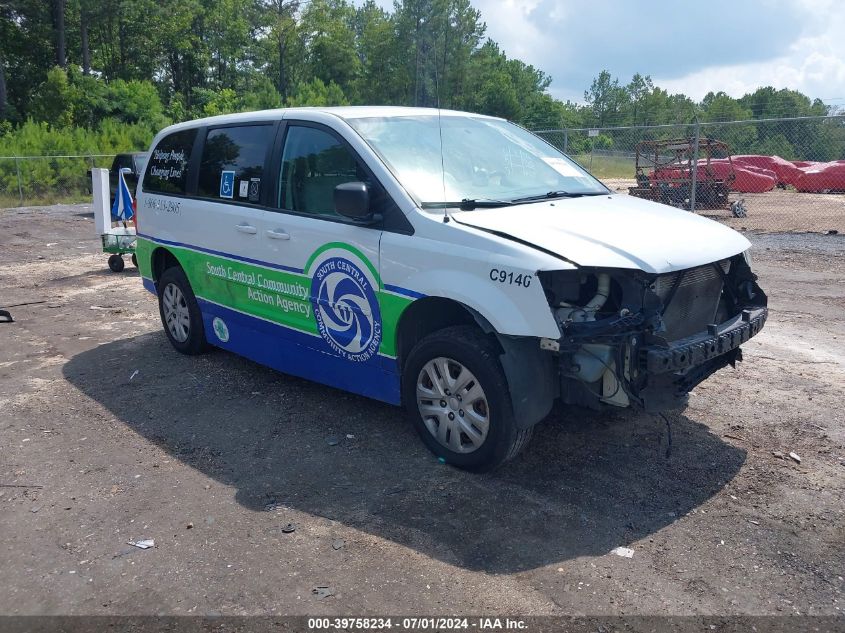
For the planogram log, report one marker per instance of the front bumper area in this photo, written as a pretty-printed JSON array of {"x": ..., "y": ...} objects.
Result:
[
  {"x": 652, "y": 374},
  {"x": 699, "y": 349},
  {"x": 653, "y": 338},
  {"x": 672, "y": 371}
]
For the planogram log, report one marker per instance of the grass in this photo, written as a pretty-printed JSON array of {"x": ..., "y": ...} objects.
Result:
[
  {"x": 607, "y": 166},
  {"x": 12, "y": 201}
]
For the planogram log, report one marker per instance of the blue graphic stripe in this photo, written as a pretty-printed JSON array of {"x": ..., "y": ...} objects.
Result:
[
  {"x": 396, "y": 289},
  {"x": 150, "y": 285},
  {"x": 388, "y": 359},
  {"x": 293, "y": 352},
  {"x": 404, "y": 291},
  {"x": 200, "y": 249},
  {"x": 201, "y": 301}
]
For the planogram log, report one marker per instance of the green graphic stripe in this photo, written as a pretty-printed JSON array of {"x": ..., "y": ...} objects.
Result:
[
  {"x": 273, "y": 295},
  {"x": 345, "y": 247},
  {"x": 143, "y": 253}
]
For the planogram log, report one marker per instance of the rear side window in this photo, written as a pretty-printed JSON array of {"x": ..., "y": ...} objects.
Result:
[
  {"x": 167, "y": 169},
  {"x": 232, "y": 164}
]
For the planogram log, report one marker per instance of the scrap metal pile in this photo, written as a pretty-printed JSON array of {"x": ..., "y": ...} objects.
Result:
[
  {"x": 665, "y": 168},
  {"x": 664, "y": 172}
]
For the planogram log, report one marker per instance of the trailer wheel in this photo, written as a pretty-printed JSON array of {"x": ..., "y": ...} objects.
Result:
[
  {"x": 116, "y": 263},
  {"x": 134, "y": 260},
  {"x": 738, "y": 209}
]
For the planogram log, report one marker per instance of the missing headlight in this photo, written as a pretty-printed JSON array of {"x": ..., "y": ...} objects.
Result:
[{"x": 581, "y": 295}]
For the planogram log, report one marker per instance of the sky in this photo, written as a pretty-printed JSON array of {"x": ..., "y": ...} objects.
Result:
[{"x": 686, "y": 46}]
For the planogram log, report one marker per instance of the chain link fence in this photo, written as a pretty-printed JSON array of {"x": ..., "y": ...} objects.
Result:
[
  {"x": 774, "y": 175},
  {"x": 43, "y": 180}
]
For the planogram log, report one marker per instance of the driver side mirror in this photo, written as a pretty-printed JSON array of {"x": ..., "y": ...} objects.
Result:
[{"x": 352, "y": 200}]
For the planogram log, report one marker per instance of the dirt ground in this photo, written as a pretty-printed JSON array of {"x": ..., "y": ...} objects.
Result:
[
  {"x": 776, "y": 211},
  {"x": 108, "y": 435}
]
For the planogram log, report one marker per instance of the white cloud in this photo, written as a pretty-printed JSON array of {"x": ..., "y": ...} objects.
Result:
[
  {"x": 521, "y": 38},
  {"x": 798, "y": 44},
  {"x": 814, "y": 64},
  {"x": 694, "y": 47}
]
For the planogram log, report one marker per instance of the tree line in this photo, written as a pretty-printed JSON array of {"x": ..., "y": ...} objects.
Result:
[{"x": 144, "y": 63}]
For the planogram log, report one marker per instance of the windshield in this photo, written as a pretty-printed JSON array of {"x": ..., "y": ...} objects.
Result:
[{"x": 483, "y": 159}]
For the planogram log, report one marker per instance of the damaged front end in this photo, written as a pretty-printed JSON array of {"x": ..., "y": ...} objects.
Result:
[{"x": 630, "y": 338}]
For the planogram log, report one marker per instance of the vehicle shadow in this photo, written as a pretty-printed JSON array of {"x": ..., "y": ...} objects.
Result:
[{"x": 587, "y": 483}]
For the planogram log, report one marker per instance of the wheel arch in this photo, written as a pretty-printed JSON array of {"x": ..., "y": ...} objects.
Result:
[
  {"x": 529, "y": 370},
  {"x": 426, "y": 316},
  {"x": 160, "y": 260}
]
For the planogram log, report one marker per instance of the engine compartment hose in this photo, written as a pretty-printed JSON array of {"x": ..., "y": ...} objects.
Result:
[{"x": 602, "y": 293}]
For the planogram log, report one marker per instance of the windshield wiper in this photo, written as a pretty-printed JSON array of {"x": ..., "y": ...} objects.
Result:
[
  {"x": 557, "y": 194},
  {"x": 468, "y": 204}
]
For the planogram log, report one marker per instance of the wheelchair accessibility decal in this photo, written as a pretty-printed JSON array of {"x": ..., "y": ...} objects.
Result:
[
  {"x": 346, "y": 309},
  {"x": 227, "y": 184}
]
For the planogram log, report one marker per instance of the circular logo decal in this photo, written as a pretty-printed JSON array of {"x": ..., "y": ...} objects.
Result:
[
  {"x": 220, "y": 329},
  {"x": 346, "y": 309}
]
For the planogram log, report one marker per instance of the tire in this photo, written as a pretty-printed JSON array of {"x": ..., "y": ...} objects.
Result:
[
  {"x": 134, "y": 260},
  {"x": 116, "y": 263},
  {"x": 464, "y": 348},
  {"x": 186, "y": 332}
]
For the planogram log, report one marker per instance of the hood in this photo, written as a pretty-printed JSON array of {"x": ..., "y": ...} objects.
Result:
[{"x": 613, "y": 231}]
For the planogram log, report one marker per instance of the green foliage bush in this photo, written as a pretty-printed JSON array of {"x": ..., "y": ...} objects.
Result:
[
  {"x": 44, "y": 177},
  {"x": 316, "y": 93},
  {"x": 73, "y": 116},
  {"x": 67, "y": 98}
]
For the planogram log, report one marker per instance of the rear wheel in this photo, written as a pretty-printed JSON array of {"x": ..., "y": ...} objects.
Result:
[
  {"x": 180, "y": 314},
  {"x": 457, "y": 395}
]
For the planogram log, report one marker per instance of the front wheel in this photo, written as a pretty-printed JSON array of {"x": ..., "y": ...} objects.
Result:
[
  {"x": 180, "y": 314},
  {"x": 457, "y": 395}
]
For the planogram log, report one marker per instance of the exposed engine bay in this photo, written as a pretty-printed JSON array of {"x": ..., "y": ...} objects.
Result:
[{"x": 630, "y": 338}]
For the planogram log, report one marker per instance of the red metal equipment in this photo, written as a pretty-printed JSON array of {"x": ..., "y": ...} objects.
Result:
[{"x": 664, "y": 171}]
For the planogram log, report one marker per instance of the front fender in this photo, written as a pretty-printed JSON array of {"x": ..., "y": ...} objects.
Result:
[{"x": 511, "y": 310}]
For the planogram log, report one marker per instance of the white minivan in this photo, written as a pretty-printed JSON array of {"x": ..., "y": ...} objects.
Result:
[{"x": 452, "y": 263}]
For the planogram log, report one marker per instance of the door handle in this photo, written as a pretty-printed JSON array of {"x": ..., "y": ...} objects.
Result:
[
  {"x": 246, "y": 228},
  {"x": 278, "y": 234}
]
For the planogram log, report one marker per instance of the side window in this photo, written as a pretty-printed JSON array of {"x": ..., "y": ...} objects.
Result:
[
  {"x": 123, "y": 161},
  {"x": 167, "y": 168},
  {"x": 232, "y": 164},
  {"x": 140, "y": 163},
  {"x": 314, "y": 162}
]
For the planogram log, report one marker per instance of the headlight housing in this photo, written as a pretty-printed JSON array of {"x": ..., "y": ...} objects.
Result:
[{"x": 746, "y": 255}]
